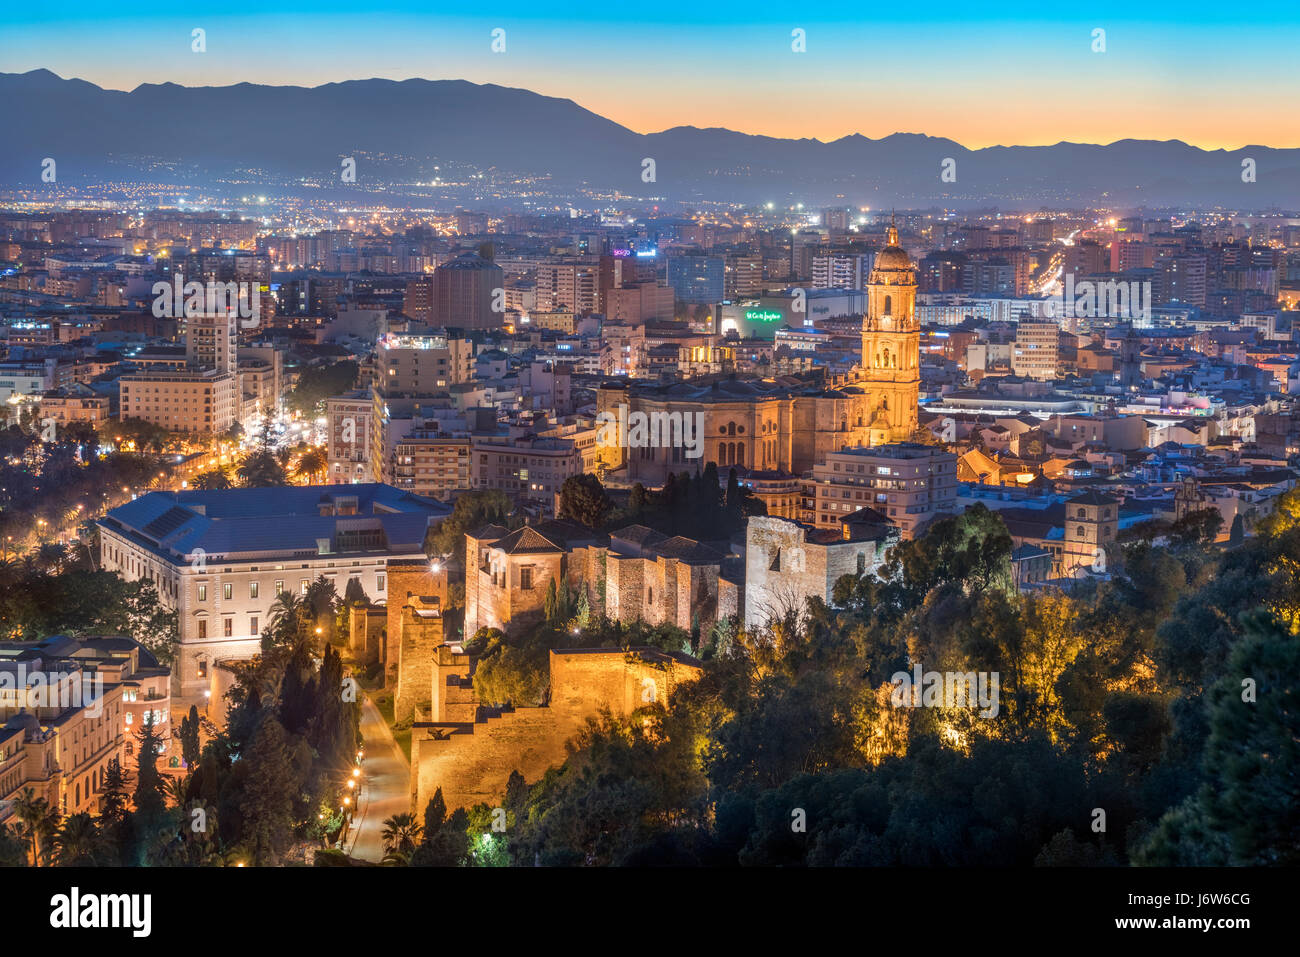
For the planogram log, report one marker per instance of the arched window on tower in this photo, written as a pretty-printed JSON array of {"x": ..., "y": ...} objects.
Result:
[{"x": 889, "y": 305}]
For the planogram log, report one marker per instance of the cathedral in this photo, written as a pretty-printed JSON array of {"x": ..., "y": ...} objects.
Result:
[
  {"x": 891, "y": 346},
  {"x": 778, "y": 426}
]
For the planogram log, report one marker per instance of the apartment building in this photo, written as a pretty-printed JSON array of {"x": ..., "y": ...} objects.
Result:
[
  {"x": 531, "y": 469},
  {"x": 1034, "y": 353},
  {"x": 909, "y": 483},
  {"x": 349, "y": 419},
  {"x": 198, "y": 401}
]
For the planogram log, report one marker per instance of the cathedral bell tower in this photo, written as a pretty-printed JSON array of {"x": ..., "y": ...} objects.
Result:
[{"x": 891, "y": 345}]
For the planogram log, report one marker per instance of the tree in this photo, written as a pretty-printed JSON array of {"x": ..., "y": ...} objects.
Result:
[
  {"x": 1237, "y": 533},
  {"x": 584, "y": 500},
  {"x": 213, "y": 480},
  {"x": 262, "y": 470},
  {"x": 269, "y": 781},
  {"x": 318, "y": 383},
  {"x": 77, "y": 842},
  {"x": 39, "y": 824},
  {"x": 1248, "y": 812},
  {"x": 189, "y": 738},
  {"x": 150, "y": 818},
  {"x": 401, "y": 836},
  {"x": 511, "y": 674},
  {"x": 311, "y": 464},
  {"x": 472, "y": 510},
  {"x": 445, "y": 842},
  {"x": 1199, "y": 527}
]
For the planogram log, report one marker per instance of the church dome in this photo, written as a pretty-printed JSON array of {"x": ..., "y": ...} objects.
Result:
[{"x": 893, "y": 257}]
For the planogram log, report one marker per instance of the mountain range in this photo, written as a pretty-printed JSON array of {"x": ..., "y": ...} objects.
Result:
[{"x": 402, "y": 132}]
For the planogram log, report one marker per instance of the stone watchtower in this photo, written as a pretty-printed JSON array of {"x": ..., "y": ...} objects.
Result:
[
  {"x": 406, "y": 578},
  {"x": 420, "y": 635},
  {"x": 891, "y": 345}
]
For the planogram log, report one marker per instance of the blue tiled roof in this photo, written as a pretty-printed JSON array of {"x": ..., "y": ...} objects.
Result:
[{"x": 282, "y": 520}]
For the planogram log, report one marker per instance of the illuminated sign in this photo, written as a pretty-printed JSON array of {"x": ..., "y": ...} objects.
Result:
[
  {"x": 762, "y": 315},
  {"x": 620, "y": 253}
]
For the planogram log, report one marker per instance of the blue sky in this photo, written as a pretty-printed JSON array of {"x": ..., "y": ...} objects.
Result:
[{"x": 1210, "y": 74}]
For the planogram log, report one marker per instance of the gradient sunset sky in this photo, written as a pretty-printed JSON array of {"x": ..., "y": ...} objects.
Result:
[{"x": 1215, "y": 75}]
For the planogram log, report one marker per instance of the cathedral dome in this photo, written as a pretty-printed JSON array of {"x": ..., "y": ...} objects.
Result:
[{"x": 893, "y": 257}]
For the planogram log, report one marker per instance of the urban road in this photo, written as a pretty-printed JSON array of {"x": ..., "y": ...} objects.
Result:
[{"x": 385, "y": 777}]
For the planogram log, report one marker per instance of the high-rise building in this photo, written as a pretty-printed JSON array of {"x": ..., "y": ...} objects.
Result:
[
  {"x": 697, "y": 279},
  {"x": 568, "y": 287},
  {"x": 464, "y": 290},
  {"x": 418, "y": 300},
  {"x": 744, "y": 276},
  {"x": 422, "y": 365},
  {"x": 348, "y": 421},
  {"x": 841, "y": 270},
  {"x": 212, "y": 341},
  {"x": 1035, "y": 351},
  {"x": 836, "y": 218}
]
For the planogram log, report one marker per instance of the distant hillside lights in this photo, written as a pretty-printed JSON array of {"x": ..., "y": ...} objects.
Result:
[
  {"x": 651, "y": 430},
  {"x": 176, "y": 299},
  {"x": 1088, "y": 299}
]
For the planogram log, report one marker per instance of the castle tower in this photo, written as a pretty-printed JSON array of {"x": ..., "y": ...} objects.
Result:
[{"x": 891, "y": 345}]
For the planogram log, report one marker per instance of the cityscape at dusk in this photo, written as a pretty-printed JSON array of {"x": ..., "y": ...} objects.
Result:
[{"x": 683, "y": 437}]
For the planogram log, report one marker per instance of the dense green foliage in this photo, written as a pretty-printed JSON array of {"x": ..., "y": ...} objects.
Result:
[
  {"x": 54, "y": 591},
  {"x": 1148, "y": 718},
  {"x": 317, "y": 383}
]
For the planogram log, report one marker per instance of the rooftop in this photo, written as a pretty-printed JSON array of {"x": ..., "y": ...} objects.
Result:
[{"x": 294, "y": 520}]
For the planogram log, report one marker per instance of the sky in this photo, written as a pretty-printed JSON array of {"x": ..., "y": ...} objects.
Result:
[{"x": 1215, "y": 75}]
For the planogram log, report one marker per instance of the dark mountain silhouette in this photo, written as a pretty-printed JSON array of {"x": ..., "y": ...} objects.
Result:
[{"x": 401, "y": 132}]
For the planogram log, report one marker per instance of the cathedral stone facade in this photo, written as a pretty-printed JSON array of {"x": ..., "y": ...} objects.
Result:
[{"x": 791, "y": 423}]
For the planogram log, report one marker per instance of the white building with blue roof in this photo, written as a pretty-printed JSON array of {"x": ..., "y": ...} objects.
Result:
[{"x": 220, "y": 558}]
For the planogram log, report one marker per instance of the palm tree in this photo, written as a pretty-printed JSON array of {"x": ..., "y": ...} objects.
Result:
[
  {"x": 311, "y": 463},
  {"x": 174, "y": 788},
  {"x": 213, "y": 480},
  {"x": 401, "y": 835},
  {"x": 262, "y": 470},
  {"x": 321, "y": 605},
  {"x": 287, "y": 620},
  {"x": 76, "y": 841},
  {"x": 39, "y": 822},
  {"x": 51, "y": 556}
]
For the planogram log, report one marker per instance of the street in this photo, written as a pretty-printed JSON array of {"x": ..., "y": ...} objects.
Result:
[{"x": 385, "y": 788}]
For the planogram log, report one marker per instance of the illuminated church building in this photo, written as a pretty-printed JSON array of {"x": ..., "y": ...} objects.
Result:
[
  {"x": 891, "y": 345},
  {"x": 769, "y": 426}
]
